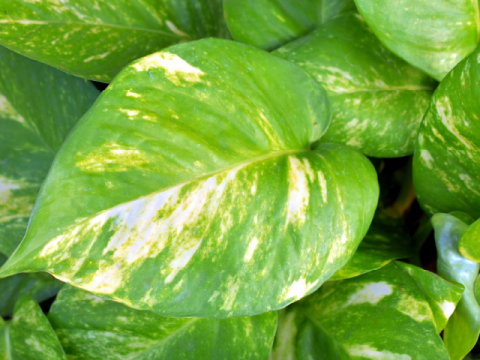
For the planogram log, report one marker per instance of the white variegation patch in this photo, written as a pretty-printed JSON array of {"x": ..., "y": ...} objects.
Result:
[
  {"x": 299, "y": 191},
  {"x": 447, "y": 307},
  {"x": 298, "y": 289},
  {"x": 369, "y": 352},
  {"x": 415, "y": 308},
  {"x": 371, "y": 293},
  {"x": 8, "y": 111}
]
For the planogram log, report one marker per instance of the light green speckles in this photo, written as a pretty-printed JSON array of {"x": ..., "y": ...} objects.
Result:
[
  {"x": 230, "y": 293},
  {"x": 323, "y": 186},
  {"x": 369, "y": 352},
  {"x": 133, "y": 94},
  {"x": 417, "y": 310},
  {"x": 8, "y": 111},
  {"x": 371, "y": 293},
  {"x": 252, "y": 246}
]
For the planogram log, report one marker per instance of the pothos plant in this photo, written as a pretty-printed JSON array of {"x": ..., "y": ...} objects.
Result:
[{"x": 246, "y": 185}]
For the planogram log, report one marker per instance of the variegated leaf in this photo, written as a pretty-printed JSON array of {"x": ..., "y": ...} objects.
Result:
[
  {"x": 446, "y": 168},
  {"x": 433, "y": 37},
  {"x": 462, "y": 331},
  {"x": 194, "y": 189},
  {"x": 91, "y": 328},
  {"x": 95, "y": 40},
  {"x": 469, "y": 244},
  {"x": 384, "y": 314},
  {"x": 377, "y": 100},
  {"x": 269, "y": 24},
  {"x": 386, "y": 240},
  {"x": 29, "y": 336}
]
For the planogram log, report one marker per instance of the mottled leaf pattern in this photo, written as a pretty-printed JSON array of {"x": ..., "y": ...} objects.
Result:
[
  {"x": 268, "y": 24},
  {"x": 91, "y": 328},
  {"x": 463, "y": 328},
  {"x": 469, "y": 244},
  {"x": 383, "y": 314},
  {"x": 209, "y": 202},
  {"x": 431, "y": 36},
  {"x": 446, "y": 165},
  {"x": 96, "y": 39},
  {"x": 29, "y": 336},
  {"x": 386, "y": 240}
]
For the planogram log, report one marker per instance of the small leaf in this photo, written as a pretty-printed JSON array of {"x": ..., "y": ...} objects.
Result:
[
  {"x": 91, "y": 328},
  {"x": 383, "y": 314},
  {"x": 96, "y": 40},
  {"x": 463, "y": 328},
  {"x": 195, "y": 192},
  {"x": 433, "y": 37},
  {"x": 29, "y": 335},
  {"x": 446, "y": 162},
  {"x": 377, "y": 99},
  {"x": 470, "y": 242},
  {"x": 268, "y": 24}
]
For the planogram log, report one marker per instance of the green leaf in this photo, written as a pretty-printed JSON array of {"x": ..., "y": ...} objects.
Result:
[
  {"x": 463, "y": 328},
  {"x": 469, "y": 244},
  {"x": 38, "y": 107},
  {"x": 91, "y": 328},
  {"x": 96, "y": 40},
  {"x": 431, "y": 36},
  {"x": 377, "y": 100},
  {"x": 268, "y": 24},
  {"x": 383, "y": 314},
  {"x": 386, "y": 240},
  {"x": 477, "y": 289},
  {"x": 29, "y": 335},
  {"x": 195, "y": 192},
  {"x": 446, "y": 163}
]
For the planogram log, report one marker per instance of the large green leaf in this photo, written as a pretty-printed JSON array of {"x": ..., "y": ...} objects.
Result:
[
  {"x": 95, "y": 40},
  {"x": 91, "y": 328},
  {"x": 189, "y": 189},
  {"x": 431, "y": 36},
  {"x": 380, "y": 315},
  {"x": 386, "y": 240},
  {"x": 377, "y": 100},
  {"x": 29, "y": 336},
  {"x": 38, "y": 106},
  {"x": 469, "y": 244},
  {"x": 463, "y": 328},
  {"x": 446, "y": 165},
  {"x": 269, "y": 24}
]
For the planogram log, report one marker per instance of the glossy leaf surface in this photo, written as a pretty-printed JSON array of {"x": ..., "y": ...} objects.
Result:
[
  {"x": 469, "y": 244},
  {"x": 92, "y": 328},
  {"x": 431, "y": 36},
  {"x": 386, "y": 240},
  {"x": 463, "y": 328},
  {"x": 268, "y": 24},
  {"x": 29, "y": 336},
  {"x": 379, "y": 315},
  {"x": 172, "y": 196},
  {"x": 377, "y": 100},
  {"x": 95, "y": 40},
  {"x": 446, "y": 165}
]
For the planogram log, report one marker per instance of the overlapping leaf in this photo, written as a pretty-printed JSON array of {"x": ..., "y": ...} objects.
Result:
[
  {"x": 377, "y": 99},
  {"x": 469, "y": 244},
  {"x": 446, "y": 165},
  {"x": 431, "y": 36},
  {"x": 95, "y": 40},
  {"x": 91, "y": 328},
  {"x": 190, "y": 190},
  {"x": 269, "y": 24},
  {"x": 463, "y": 328},
  {"x": 29, "y": 335},
  {"x": 384, "y": 314}
]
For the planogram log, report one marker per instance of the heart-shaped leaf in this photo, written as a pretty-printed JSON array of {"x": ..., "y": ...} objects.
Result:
[
  {"x": 96, "y": 40},
  {"x": 91, "y": 328},
  {"x": 380, "y": 315},
  {"x": 29, "y": 335},
  {"x": 377, "y": 100},
  {"x": 446, "y": 165},
  {"x": 431, "y": 36},
  {"x": 463, "y": 328},
  {"x": 268, "y": 24},
  {"x": 194, "y": 189}
]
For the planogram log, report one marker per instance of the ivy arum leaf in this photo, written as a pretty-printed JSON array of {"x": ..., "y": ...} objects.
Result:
[
  {"x": 195, "y": 192},
  {"x": 38, "y": 106},
  {"x": 268, "y": 24},
  {"x": 470, "y": 242},
  {"x": 96, "y": 41},
  {"x": 40, "y": 286},
  {"x": 432, "y": 38},
  {"x": 377, "y": 100},
  {"x": 92, "y": 328},
  {"x": 386, "y": 240},
  {"x": 477, "y": 289},
  {"x": 445, "y": 167},
  {"x": 379, "y": 315},
  {"x": 29, "y": 335},
  {"x": 463, "y": 328}
]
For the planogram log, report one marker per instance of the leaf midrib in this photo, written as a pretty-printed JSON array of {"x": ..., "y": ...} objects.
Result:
[
  {"x": 397, "y": 88},
  {"x": 7, "y": 341}
]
